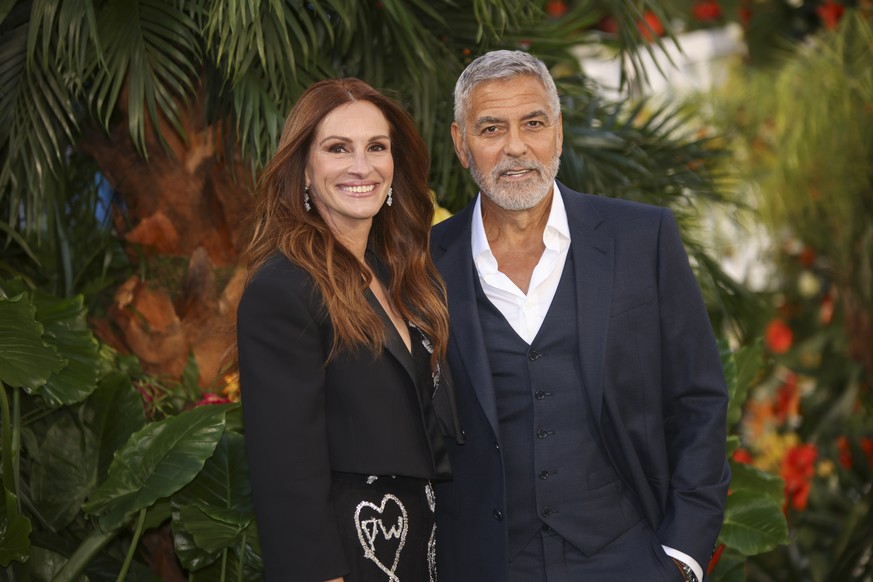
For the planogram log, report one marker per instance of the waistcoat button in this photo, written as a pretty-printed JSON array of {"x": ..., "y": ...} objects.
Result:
[
  {"x": 498, "y": 515},
  {"x": 539, "y": 395}
]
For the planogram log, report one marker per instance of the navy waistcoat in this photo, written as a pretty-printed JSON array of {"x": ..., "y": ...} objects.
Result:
[{"x": 554, "y": 461}]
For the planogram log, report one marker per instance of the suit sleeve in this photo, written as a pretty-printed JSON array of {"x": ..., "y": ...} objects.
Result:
[
  {"x": 695, "y": 405},
  {"x": 281, "y": 355}
]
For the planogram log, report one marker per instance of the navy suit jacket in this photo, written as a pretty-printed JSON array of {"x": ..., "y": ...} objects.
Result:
[{"x": 651, "y": 372}]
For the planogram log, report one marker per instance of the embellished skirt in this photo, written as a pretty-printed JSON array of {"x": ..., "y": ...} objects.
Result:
[{"x": 387, "y": 527}]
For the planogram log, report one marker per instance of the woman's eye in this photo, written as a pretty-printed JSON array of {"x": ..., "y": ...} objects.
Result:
[
  {"x": 378, "y": 147},
  {"x": 337, "y": 149}
]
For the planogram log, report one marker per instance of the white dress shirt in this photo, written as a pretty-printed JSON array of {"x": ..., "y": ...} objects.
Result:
[{"x": 526, "y": 312}]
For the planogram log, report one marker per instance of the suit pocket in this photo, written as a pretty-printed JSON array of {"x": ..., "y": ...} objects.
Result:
[{"x": 624, "y": 303}]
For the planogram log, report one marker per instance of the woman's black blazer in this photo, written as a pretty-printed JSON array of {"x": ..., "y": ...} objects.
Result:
[{"x": 361, "y": 413}]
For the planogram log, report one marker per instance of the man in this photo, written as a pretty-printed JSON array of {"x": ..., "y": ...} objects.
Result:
[{"x": 589, "y": 383}]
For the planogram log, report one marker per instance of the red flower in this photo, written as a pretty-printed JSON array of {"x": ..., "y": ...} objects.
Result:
[
  {"x": 556, "y": 8},
  {"x": 844, "y": 452},
  {"x": 708, "y": 11},
  {"x": 745, "y": 15},
  {"x": 716, "y": 555},
  {"x": 826, "y": 312},
  {"x": 778, "y": 336},
  {"x": 608, "y": 25},
  {"x": 867, "y": 447},
  {"x": 650, "y": 25},
  {"x": 210, "y": 398},
  {"x": 787, "y": 399},
  {"x": 743, "y": 456},
  {"x": 807, "y": 257},
  {"x": 830, "y": 13},
  {"x": 798, "y": 469}
]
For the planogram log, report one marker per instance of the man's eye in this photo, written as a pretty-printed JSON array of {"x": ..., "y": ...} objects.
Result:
[
  {"x": 490, "y": 129},
  {"x": 534, "y": 123}
]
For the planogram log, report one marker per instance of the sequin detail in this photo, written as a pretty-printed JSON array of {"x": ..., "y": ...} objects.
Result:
[
  {"x": 372, "y": 531},
  {"x": 431, "y": 555},
  {"x": 437, "y": 371},
  {"x": 431, "y": 498}
]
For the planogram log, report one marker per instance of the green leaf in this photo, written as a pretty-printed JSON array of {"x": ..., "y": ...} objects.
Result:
[
  {"x": 731, "y": 567},
  {"x": 156, "y": 462},
  {"x": 65, "y": 474},
  {"x": 748, "y": 478},
  {"x": 214, "y": 529},
  {"x": 214, "y": 510},
  {"x": 65, "y": 323},
  {"x": 14, "y": 532},
  {"x": 78, "y": 448},
  {"x": 25, "y": 359},
  {"x": 753, "y": 523}
]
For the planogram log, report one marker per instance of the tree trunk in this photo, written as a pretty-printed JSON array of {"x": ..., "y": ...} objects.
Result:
[{"x": 182, "y": 222}]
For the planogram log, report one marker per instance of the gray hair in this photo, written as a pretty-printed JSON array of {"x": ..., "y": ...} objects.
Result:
[{"x": 499, "y": 66}]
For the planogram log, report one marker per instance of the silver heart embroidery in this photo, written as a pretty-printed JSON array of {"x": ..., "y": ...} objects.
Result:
[{"x": 370, "y": 529}]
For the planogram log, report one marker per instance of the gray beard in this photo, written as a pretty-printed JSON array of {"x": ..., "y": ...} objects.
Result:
[{"x": 512, "y": 196}]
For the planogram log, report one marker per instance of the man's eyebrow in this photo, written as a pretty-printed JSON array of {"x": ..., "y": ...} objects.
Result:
[
  {"x": 533, "y": 114},
  {"x": 487, "y": 120}
]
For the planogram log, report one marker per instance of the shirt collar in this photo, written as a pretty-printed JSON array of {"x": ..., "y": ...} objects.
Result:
[{"x": 556, "y": 235}]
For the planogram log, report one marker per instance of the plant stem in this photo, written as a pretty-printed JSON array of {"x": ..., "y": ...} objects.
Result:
[
  {"x": 242, "y": 556},
  {"x": 89, "y": 548},
  {"x": 224, "y": 565},
  {"x": 140, "y": 522},
  {"x": 6, "y": 419}
]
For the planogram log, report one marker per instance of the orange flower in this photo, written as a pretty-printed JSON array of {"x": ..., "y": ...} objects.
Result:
[
  {"x": 650, "y": 26},
  {"x": 743, "y": 456},
  {"x": 556, "y": 8},
  {"x": 830, "y": 13},
  {"x": 778, "y": 336},
  {"x": 706, "y": 11},
  {"x": 787, "y": 403},
  {"x": 798, "y": 469}
]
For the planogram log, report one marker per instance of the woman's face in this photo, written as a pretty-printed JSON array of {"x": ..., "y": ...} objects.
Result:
[{"x": 350, "y": 166}]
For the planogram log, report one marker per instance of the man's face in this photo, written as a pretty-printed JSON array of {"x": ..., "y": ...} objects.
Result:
[{"x": 511, "y": 143}]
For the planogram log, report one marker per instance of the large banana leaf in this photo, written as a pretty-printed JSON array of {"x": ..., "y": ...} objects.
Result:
[
  {"x": 156, "y": 462},
  {"x": 25, "y": 358}
]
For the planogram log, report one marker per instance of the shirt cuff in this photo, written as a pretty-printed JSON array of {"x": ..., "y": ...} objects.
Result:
[{"x": 682, "y": 557}]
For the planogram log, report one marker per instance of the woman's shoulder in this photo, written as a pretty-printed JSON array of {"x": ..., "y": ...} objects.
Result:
[{"x": 278, "y": 277}]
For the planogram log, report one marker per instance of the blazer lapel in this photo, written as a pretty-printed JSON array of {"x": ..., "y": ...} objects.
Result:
[
  {"x": 393, "y": 342},
  {"x": 455, "y": 265},
  {"x": 593, "y": 259}
]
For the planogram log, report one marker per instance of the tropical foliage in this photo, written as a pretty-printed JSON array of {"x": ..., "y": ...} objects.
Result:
[{"x": 131, "y": 134}]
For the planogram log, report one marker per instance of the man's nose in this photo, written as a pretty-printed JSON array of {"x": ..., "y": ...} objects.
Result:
[{"x": 515, "y": 145}]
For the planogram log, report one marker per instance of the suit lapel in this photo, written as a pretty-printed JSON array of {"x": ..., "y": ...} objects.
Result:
[
  {"x": 593, "y": 262},
  {"x": 455, "y": 264},
  {"x": 393, "y": 342}
]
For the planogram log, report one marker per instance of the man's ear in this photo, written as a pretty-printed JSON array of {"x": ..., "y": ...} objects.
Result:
[
  {"x": 560, "y": 133},
  {"x": 458, "y": 139}
]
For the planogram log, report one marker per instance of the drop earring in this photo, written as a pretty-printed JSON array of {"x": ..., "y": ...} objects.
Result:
[
  {"x": 389, "y": 201},
  {"x": 306, "y": 203}
]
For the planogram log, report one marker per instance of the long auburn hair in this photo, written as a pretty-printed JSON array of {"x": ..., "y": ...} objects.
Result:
[{"x": 399, "y": 235}]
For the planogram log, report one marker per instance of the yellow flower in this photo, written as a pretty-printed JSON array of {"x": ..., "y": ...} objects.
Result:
[{"x": 231, "y": 386}]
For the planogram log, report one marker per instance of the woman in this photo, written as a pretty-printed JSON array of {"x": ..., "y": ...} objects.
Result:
[{"x": 340, "y": 330}]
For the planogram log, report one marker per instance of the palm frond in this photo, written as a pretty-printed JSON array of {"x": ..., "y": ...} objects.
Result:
[{"x": 151, "y": 51}]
